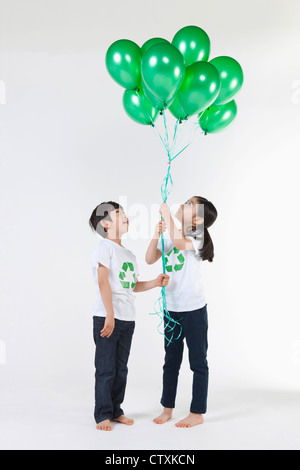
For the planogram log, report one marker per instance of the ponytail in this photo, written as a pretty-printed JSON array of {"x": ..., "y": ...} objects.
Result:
[{"x": 207, "y": 251}]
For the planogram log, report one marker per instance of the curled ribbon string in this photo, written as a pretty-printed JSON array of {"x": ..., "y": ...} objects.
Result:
[
  {"x": 160, "y": 306},
  {"x": 161, "y": 310}
]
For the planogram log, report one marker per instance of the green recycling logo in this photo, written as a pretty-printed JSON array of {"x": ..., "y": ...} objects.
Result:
[
  {"x": 180, "y": 260},
  {"x": 127, "y": 276}
]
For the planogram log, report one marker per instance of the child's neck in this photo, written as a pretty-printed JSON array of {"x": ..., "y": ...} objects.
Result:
[{"x": 116, "y": 240}]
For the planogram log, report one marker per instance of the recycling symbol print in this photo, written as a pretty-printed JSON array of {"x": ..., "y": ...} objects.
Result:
[
  {"x": 180, "y": 259},
  {"x": 127, "y": 276}
]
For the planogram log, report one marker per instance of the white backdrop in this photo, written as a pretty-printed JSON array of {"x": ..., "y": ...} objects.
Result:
[{"x": 67, "y": 145}]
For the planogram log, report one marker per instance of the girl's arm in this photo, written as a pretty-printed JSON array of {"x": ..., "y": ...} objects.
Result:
[
  {"x": 153, "y": 254},
  {"x": 178, "y": 239},
  {"x": 161, "y": 280},
  {"x": 106, "y": 295}
]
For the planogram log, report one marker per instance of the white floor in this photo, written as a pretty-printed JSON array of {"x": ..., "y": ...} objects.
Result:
[{"x": 237, "y": 419}]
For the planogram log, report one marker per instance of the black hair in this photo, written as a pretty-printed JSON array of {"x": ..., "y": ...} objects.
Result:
[
  {"x": 101, "y": 212},
  {"x": 210, "y": 215}
]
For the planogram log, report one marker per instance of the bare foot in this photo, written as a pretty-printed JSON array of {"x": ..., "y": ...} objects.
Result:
[
  {"x": 164, "y": 417},
  {"x": 104, "y": 425},
  {"x": 191, "y": 420},
  {"x": 124, "y": 420}
]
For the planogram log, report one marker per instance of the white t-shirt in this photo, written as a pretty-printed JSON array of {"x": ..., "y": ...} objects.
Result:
[
  {"x": 185, "y": 291},
  {"x": 123, "y": 273}
]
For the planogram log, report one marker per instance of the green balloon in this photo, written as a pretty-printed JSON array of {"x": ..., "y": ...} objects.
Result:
[
  {"x": 217, "y": 117},
  {"x": 200, "y": 88},
  {"x": 151, "y": 42},
  {"x": 123, "y": 62},
  {"x": 138, "y": 107},
  {"x": 193, "y": 43},
  {"x": 231, "y": 74},
  {"x": 156, "y": 102},
  {"x": 163, "y": 70},
  {"x": 177, "y": 110}
]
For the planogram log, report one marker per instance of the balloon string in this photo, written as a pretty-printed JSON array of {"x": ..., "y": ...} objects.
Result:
[
  {"x": 160, "y": 306},
  {"x": 175, "y": 137},
  {"x": 196, "y": 126},
  {"x": 161, "y": 309},
  {"x": 161, "y": 138},
  {"x": 166, "y": 134}
]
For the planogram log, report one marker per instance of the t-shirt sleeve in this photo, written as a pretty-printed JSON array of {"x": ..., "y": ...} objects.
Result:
[
  {"x": 102, "y": 255},
  {"x": 197, "y": 242}
]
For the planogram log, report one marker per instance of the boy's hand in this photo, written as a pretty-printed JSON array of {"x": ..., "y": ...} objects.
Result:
[
  {"x": 162, "y": 280},
  {"x": 109, "y": 327},
  {"x": 160, "y": 227},
  {"x": 165, "y": 211}
]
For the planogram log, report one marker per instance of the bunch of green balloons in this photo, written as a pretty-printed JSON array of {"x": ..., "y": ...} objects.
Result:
[{"x": 177, "y": 76}]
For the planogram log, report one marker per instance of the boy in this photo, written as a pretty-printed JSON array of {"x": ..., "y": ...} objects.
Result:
[{"x": 115, "y": 272}]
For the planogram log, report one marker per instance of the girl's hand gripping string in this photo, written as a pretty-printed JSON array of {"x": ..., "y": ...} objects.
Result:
[
  {"x": 160, "y": 227},
  {"x": 165, "y": 212}
]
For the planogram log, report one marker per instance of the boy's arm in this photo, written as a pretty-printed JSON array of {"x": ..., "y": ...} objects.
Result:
[
  {"x": 161, "y": 280},
  {"x": 106, "y": 295},
  {"x": 153, "y": 254}
]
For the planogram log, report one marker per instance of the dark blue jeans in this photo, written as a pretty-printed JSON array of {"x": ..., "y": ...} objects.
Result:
[
  {"x": 111, "y": 360},
  {"x": 194, "y": 329}
]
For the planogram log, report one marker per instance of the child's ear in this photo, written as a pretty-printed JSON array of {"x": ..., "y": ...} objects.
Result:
[
  {"x": 198, "y": 220},
  {"x": 104, "y": 224}
]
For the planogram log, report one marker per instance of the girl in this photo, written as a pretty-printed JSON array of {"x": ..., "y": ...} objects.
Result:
[{"x": 184, "y": 252}]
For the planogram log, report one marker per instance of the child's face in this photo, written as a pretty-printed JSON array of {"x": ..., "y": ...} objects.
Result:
[
  {"x": 187, "y": 212},
  {"x": 119, "y": 223}
]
